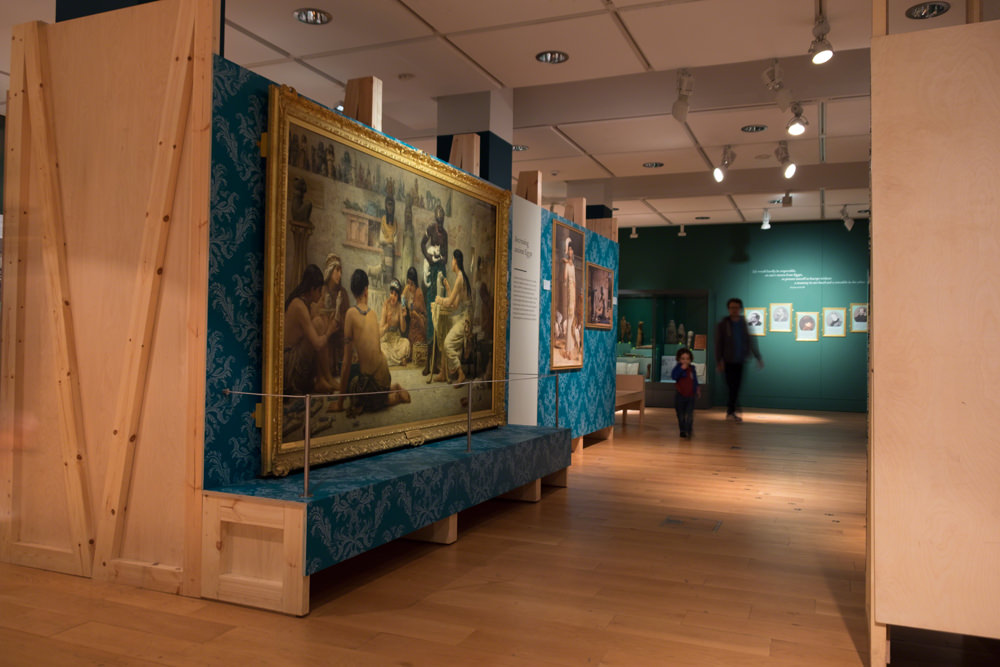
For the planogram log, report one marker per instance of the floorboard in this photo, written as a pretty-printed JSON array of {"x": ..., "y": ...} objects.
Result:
[{"x": 744, "y": 545}]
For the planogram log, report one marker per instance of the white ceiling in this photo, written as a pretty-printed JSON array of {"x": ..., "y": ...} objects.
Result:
[{"x": 592, "y": 122}]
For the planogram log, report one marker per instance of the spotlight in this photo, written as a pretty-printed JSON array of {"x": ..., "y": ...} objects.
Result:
[
  {"x": 765, "y": 220},
  {"x": 820, "y": 49},
  {"x": 787, "y": 166},
  {"x": 848, "y": 220},
  {"x": 634, "y": 234},
  {"x": 797, "y": 125},
  {"x": 786, "y": 201},
  {"x": 773, "y": 82},
  {"x": 682, "y": 232},
  {"x": 685, "y": 86},
  {"x": 719, "y": 173}
]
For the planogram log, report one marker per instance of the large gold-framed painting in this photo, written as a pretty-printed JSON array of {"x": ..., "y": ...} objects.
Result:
[
  {"x": 566, "y": 335},
  {"x": 386, "y": 277}
]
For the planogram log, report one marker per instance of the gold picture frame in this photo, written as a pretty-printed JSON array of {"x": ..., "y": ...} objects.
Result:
[
  {"x": 756, "y": 320},
  {"x": 781, "y": 317},
  {"x": 566, "y": 333},
  {"x": 859, "y": 318},
  {"x": 350, "y": 202},
  {"x": 807, "y": 326},
  {"x": 600, "y": 297},
  {"x": 834, "y": 322}
]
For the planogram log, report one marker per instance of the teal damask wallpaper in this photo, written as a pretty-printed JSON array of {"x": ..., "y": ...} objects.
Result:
[{"x": 586, "y": 395}]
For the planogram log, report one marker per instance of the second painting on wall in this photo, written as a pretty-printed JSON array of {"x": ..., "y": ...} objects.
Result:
[{"x": 568, "y": 308}]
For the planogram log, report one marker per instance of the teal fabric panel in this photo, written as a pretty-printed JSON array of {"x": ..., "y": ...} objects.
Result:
[
  {"x": 235, "y": 269},
  {"x": 809, "y": 264},
  {"x": 586, "y": 395},
  {"x": 362, "y": 504}
]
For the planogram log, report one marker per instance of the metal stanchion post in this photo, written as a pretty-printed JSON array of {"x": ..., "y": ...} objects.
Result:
[
  {"x": 468, "y": 432},
  {"x": 305, "y": 448}
]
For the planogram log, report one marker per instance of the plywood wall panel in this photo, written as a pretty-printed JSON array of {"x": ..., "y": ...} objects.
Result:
[
  {"x": 936, "y": 308},
  {"x": 108, "y": 93}
]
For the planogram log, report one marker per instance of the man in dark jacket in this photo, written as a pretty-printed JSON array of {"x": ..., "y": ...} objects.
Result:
[{"x": 733, "y": 345}]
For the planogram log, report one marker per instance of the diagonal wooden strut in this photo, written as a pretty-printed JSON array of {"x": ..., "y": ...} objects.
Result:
[
  {"x": 46, "y": 160},
  {"x": 146, "y": 295}
]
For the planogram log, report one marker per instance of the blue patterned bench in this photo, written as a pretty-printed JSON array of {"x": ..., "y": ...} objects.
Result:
[{"x": 263, "y": 540}]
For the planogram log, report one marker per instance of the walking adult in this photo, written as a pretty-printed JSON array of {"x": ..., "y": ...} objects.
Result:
[{"x": 733, "y": 346}]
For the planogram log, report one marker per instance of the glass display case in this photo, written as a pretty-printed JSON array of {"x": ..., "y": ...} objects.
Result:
[{"x": 652, "y": 326}]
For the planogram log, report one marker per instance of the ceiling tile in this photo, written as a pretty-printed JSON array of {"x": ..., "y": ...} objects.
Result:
[
  {"x": 449, "y": 16},
  {"x": 566, "y": 168},
  {"x": 542, "y": 143},
  {"x": 425, "y": 59},
  {"x": 856, "y": 197},
  {"x": 688, "y": 204},
  {"x": 239, "y": 48},
  {"x": 630, "y": 207},
  {"x": 758, "y": 30},
  {"x": 796, "y": 214},
  {"x": 674, "y": 162},
  {"x": 509, "y": 53},
  {"x": 757, "y": 202},
  {"x": 714, "y": 217},
  {"x": 649, "y": 219},
  {"x": 718, "y": 128},
  {"x": 304, "y": 81},
  {"x": 629, "y": 134},
  {"x": 848, "y": 149},
  {"x": 354, "y": 24},
  {"x": 848, "y": 117}
]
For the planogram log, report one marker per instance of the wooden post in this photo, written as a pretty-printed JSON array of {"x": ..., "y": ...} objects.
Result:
[
  {"x": 576, "y": 210},
  {"x": 529, "y": 186},
  {"x": 363, "y": 101},
  {"x": 465, "y": 152}
]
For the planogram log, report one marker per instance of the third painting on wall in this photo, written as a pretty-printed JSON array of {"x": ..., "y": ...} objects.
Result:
[{"x": 568, "y": 307}]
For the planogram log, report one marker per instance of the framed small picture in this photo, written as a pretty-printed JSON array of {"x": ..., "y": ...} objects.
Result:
[
  {"x": 807, "y": 326},
  {"x": 834, "y": 322},
  {"x": 600, "y": 294},
  {"x": 859, "y": 317},
  {"x": 781, "y": 317},
  {"x": 756, "y": 321}
]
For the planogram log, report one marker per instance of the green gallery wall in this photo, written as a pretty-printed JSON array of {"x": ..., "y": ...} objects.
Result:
[{"x": 813, "y": 265}]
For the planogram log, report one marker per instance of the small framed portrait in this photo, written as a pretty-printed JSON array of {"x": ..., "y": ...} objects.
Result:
[
  {"x": 834, "y": 322},
  {"x": 781, "y": 317},
  {"x": 859, "y": 317},
  {"x": 756, "y": 321},
  {"x": 600, "y": 293},
  {"x": 807, "y": 326}
]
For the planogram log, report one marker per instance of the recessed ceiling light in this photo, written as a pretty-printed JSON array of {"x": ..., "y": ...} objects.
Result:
[
  {"x": 552, "y": 57},
  {"x": 753, "y": 129},
  {"x": 406, "y": 76},
  {"x": 340, "y": 107},
  {"x": 517, "y": 148},
  {"x": 312, "y": 16},
  {"x": 702, "y": 217},
  {"x": 652, "y": 165},
  {"x": 927, "y": 10}
]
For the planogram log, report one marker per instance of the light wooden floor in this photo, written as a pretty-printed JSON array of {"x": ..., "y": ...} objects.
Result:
[{"x": 743, "y": 546}]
